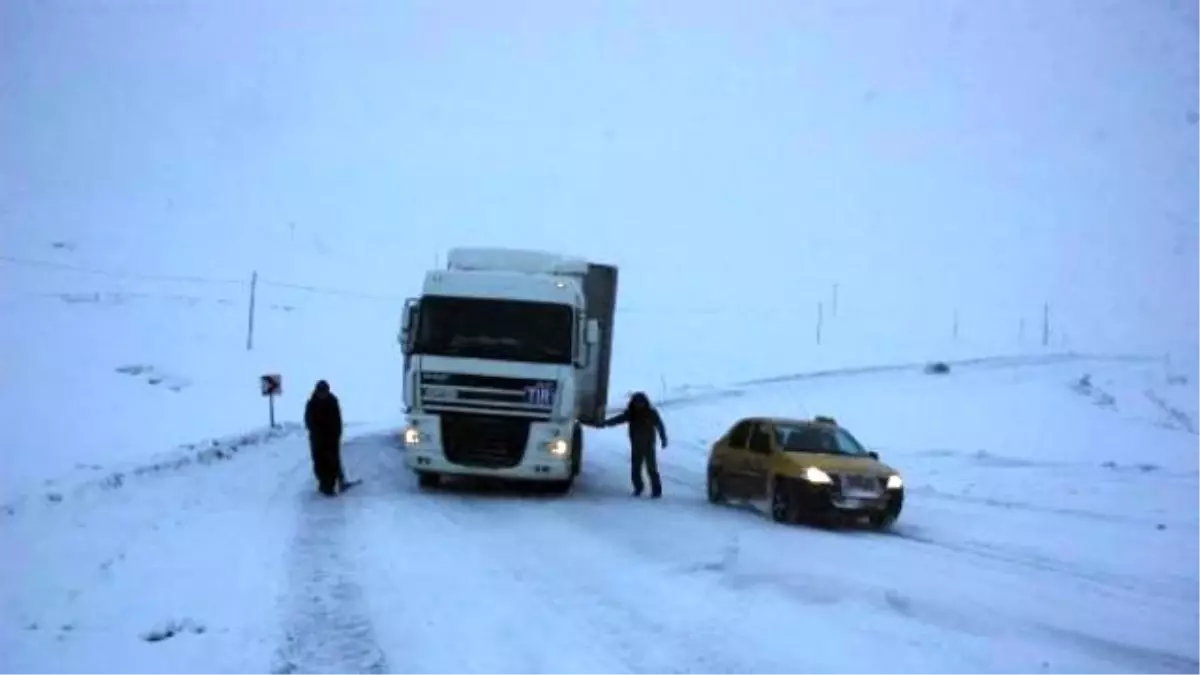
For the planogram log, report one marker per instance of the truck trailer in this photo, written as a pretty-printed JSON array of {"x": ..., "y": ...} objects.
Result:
[{"x": 506, "y": 358}]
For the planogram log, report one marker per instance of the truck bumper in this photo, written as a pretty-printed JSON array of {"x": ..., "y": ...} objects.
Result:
[
  {"x": 530, "y": 468},
  {"x": 527, "y": 455}
]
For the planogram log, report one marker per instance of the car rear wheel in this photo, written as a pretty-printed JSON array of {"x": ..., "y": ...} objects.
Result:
[{"x": 716, "y": 492}]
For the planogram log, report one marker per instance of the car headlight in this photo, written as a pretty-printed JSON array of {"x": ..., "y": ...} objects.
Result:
[
  {"x": 557, "y": 447},
  {"x": 894, "y": 482},
  {"x": 814, "y": 475}
]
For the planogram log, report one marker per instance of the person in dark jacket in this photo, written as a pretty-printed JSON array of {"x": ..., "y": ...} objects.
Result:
[
  {"x": 323, "y": 419},
  {"x": 644, "y": 423}
]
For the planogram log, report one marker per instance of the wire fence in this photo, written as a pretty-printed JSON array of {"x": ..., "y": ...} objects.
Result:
[
  {"x": 1042, "y": 324},
  {"x": 245, "y": 283}
]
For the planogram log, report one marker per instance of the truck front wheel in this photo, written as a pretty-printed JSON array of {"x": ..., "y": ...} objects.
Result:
[
  {"x": 576, "y": 450},
  {"x": 560, "y": 487}
]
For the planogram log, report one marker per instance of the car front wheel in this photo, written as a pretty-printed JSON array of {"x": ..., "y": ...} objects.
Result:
[
  {"x": 884, "y": 519},
  {"x": 716, "y": 493},
  {"x": 784, "y": 506}
]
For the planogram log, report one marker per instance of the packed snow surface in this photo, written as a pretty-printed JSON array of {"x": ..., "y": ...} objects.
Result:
[{"x": 1050, "y": 525}]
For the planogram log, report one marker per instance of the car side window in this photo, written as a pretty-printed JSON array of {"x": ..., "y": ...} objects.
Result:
[
  {"x": 740, "y": 436},
  {"x": 760, "y": 439}
]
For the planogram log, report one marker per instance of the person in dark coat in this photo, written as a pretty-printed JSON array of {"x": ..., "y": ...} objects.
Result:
[
  {"x": 644, "y": 424},
  {"x": 323, "y": 419}
]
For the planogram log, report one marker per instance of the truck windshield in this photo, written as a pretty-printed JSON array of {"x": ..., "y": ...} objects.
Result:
[{"x": 506, "y": 330}]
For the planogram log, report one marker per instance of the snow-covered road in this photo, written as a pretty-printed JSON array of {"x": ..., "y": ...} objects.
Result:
[{"x": 258, "y": 572}]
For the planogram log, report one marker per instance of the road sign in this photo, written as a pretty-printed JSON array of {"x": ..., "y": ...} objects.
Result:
[{"x": 271, "y": 385}]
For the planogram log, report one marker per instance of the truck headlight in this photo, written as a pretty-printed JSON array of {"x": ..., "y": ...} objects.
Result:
[
  {"x": 557, "y": 447},
  {"x": 814, "y": 475},
  {"x": 412, "y": 436},
  {"x": 894, "y": 482}
]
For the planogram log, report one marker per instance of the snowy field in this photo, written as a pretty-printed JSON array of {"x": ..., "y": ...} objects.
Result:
[
  {"x": 141, "y": 367},
  {"x": 807, "y": 203},
  {"x": 1049, "y": 527}
]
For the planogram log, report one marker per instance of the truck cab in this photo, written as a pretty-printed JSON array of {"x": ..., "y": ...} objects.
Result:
[{"x": 507, "y": 356}]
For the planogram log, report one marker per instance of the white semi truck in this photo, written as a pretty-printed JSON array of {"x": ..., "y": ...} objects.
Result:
[{"x": 506, "y": 359}]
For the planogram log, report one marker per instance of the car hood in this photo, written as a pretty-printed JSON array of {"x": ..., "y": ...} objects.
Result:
[{"x": 864, "y": 466}]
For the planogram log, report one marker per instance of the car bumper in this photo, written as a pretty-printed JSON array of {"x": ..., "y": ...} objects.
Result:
[{"x": 827, "y": 499}]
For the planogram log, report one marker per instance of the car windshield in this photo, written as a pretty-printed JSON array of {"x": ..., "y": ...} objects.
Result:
[
  {"x": 817, "y": 438},
  {"x": 506, "y": 330}
]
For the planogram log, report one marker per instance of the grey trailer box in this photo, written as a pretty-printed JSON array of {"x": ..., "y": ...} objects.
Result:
[{"x": 600, "y": 293}]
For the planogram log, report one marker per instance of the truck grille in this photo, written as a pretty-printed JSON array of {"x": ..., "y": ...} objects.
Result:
[
  {"x": 484, "y": 441},
  {"x": 515, "y": 396}
]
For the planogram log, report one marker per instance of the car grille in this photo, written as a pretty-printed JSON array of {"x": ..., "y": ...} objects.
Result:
[
  {"x": 484, "y": 441},
  {"x": 857, "y": 483}
]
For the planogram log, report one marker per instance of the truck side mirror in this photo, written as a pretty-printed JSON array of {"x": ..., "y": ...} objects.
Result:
[
  {"x": 408, "y": 321},
  {"x": 592, "y": 332}
]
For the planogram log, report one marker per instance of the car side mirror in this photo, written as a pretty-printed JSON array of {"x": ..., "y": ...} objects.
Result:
[{"x": 873, "y": 454}]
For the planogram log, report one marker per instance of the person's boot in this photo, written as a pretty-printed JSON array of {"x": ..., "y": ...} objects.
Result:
[{"x": 326, "y": 486}]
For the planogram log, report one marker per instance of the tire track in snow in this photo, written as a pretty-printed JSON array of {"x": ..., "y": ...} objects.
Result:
[
  {"x": 814, "y": 587},
  {"x": 1001, "y": 555},
  {"x": 627, "y": 611},
  {"x": 675, "y": 471},
  {"x": 1033, "y": 561},
  {"x": 529, "y": 558},
  {"x": 623, "y": 615},
  {"x": 499, "y": 623},
  {"x": 326, "y": 626},
  {"x": 930, "y": 492}
]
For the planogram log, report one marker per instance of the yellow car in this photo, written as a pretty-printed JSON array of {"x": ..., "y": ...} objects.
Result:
[{"x": 805, "y": 470}]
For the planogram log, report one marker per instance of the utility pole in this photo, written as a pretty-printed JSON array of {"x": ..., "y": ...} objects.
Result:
[
  {"x": 253, "y": 293},
  {"x": 820, "y": 319}
]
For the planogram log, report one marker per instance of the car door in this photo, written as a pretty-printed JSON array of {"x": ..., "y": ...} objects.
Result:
[
  {"x": 758, "y": 461},
  {"x": 733, "y": 466}
]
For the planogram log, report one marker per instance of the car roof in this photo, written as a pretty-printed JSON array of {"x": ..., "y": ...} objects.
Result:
[{"x": 820, "y": 420}]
